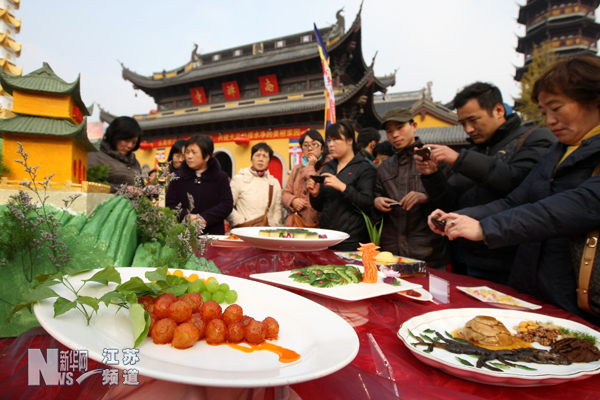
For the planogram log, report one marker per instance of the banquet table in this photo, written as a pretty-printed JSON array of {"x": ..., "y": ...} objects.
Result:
[{"x": 375, "y": 320}]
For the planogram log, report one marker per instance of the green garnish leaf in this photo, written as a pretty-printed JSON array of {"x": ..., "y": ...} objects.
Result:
[
  {"x": 135, "y": 284},
  {"x": 449, "y": 335},
  {"x": 461, "y": 341},
  {"x": 427, "y": 351},
  {"x": 525, "y": 368},
  {"x": 426, "y": 337},
  {"x": 500, "y": 365},
  {"x": 29, "y": 298},
  {"x": 429, "y": 331},
  {"x": 411, "y": 334},
  {"x": 160, "y": 274},
  {"x": 474, "y": 355},
  {"x": 140, "y": 323},
  {"x": 464, "y": 362},
  {"x": 108, "y": 274},
  {"x": 107, "y": 298},
  {"x": 41, "y": 278},
  {"x": 436, "y": 339},
  {"x": 74, "y": 271},
  {"x": 62, "y": 305},
  {"x": 88, "y": 301}
]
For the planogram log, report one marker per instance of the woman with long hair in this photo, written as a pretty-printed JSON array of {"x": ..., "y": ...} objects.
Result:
[{"x": 176, "y": 155}]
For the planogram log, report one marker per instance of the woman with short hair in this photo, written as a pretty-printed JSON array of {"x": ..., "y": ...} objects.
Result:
[
  {"x": 121, "y": 139},
  {"x": 551, "y": 212},
  {"x": 256, "y": 194},
  {"x": 201, "y": 177}
]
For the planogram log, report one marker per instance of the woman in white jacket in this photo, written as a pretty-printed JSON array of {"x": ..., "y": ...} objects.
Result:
[{"x": 256, "y": 194}]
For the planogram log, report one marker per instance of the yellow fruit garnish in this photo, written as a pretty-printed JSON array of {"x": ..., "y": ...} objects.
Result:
[
  {"x": 193, "y": 277},
  {"x": 168, "y": 272},
  {"x": 212, "y": 278},
  {"x": 178, "y": 273}
]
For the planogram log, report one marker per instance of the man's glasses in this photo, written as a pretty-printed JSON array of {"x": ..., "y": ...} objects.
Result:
[{"x": 314, "y": 145}]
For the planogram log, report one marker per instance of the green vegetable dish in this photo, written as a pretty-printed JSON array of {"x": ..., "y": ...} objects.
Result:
[{"x": 326, "y": 276}]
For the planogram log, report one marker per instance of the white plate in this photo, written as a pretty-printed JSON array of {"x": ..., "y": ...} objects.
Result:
[
  {"x": 490, "y": 298},
  {"x": 250, "y": 235},
  {"x": 350, "y": 292},
  {"x": 452, "y": 319},
  {"x": 354, "y": 256},
  {"x": 324, "y": 340},
  {"x": 425, "y": 295}
]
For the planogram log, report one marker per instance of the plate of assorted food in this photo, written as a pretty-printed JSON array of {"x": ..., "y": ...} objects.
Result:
[
  {"x": 194, "y": 328},
  {"x": 290, "y": 239},
  {"x": 496, "y": 298},
  {"x": 228, "y": 241},
  {"x": 503, "y": 347}
]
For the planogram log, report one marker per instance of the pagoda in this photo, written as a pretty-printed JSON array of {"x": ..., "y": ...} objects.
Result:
[
  {"x": 49, "y": 123},
  {"x": 568, "y": 25},
  {"x": 270, "y": 91},
  {"x": 9, "y": 48}
]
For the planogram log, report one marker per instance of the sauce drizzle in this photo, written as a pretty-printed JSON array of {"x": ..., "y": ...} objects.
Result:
[{"x": 285, "y": 355}]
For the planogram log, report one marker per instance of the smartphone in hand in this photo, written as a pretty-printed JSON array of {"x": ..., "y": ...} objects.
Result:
[
  {"x": 318, "y": 178},
  {"x": 396, "y": 204},
  {"x": 424, "y": 152},
  {"x": 440, "y": 225}
]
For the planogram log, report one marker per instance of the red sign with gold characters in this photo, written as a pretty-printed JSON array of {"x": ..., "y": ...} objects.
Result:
[
  {"x": 198, "y": 95},
  {"x": 268, "y": 84},
  {"x": 231, "y": 90}
]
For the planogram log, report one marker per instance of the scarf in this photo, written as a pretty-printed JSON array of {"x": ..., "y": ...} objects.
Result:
[
  {"x": 575, "y": 146},
  {"x": 259, "y": 173},
  {"x": 128, "y": 159}
]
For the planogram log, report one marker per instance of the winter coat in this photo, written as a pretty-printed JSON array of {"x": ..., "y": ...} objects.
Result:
[
  {"x": 122, "y": 168},
  {"x": 484, "y": 173},
  {"x": 251, "y": 197},
  {"x": 211, "y": 194},
  {"x": 406, "y": 233},
  {"x": 541, "y": 215},
  {"x": 291, "y": 191},
  {"x": 338, "y": 209}
]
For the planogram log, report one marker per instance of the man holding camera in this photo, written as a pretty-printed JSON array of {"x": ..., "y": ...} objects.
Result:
[
  {"x": 504, "y": 152},
  {"x": 401, "y": 198}
]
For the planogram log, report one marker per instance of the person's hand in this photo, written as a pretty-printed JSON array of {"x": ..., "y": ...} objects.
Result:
[
  {"x": 382, "y": 204},
  {"x": 313, "y": 187},
  {"x": 312, "y": 161},
  {"x": 458, "y": 226},
  {"x": 425, "y": 167},
  {"x": 299, "y": 204},
  {"x": 412, "y": 199},
  {"x": 436, "y": 214},
  {"x": 195, "y": 218},
  {"x": 332, "y": 181},
  {"x": 444, "y": 154}
]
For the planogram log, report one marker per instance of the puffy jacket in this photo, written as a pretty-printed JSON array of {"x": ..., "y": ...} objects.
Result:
[
  {"x": 251, "y": 197},
  {"x": 406, "y": 233},
  {"x": 541, "y": 215},
  {"x": 211, "y": 193},
  {"x": 122, "y": 168},
  {"x": 484, "y": 173},
  {"x": 338, "y": 209}
]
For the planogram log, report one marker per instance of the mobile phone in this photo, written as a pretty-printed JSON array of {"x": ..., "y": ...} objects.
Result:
[
  {"x": 440, "y": 225},
  {"x": 424, "y": 152},
  {"x": 318, "y": 178},
  {"x": 396, "y": 204}
]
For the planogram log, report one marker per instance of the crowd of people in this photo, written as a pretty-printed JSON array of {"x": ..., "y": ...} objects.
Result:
[{"x": 509, "y": 209}]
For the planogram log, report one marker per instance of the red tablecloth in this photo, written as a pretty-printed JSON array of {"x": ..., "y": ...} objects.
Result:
[{"x": 380, "y": 316}]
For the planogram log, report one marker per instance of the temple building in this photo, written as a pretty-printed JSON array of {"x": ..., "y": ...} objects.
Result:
[
  {"x": 270, "y": 91},
  {"x": 9, "y": 48},
  {"x": 568, "y": 25}
]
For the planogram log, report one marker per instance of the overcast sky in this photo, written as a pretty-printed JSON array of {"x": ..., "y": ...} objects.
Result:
[{"x": 451, "y": 43}]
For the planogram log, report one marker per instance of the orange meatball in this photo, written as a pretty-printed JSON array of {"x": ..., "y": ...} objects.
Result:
[
  {"x": 162, "y": 304},
  {"x": 146, "y": 300},
  {"x": 194, "y": 300},
  {"x": 272, "y": 327},
  {"x": 185, "y": 336},
  {"x": 255, "y": 332},
  {"x": 153, "y": 320},
  {"x": 163, "y": 331},
  {"x": 232, "y": 313},
  {"x": 216, "y": 330},
  {"x": 166, "y": 295},
  {"x": 180, "y": 311},
  {"x": 197, "y": 320},
  {"x": 211, "y": 310},
  {"x": 235, "y": 332},
  {"x": 247, "y": 319}
]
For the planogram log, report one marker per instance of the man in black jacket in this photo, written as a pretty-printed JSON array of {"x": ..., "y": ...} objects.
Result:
[{"x": 504, "y": 152}]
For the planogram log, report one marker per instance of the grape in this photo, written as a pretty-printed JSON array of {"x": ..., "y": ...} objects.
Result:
[
  {"x": 219, "y": 297},
  {"x": 212, "y": 286},
  {"x": 196, "y": 287},
  {"x": 206, "y": 296},
  {"x": 231, "y": 296},
  {"x": 223, "y": 287}
]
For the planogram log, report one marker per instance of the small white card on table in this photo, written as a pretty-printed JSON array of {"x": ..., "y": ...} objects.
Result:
[{"x": 439, "y": 288}]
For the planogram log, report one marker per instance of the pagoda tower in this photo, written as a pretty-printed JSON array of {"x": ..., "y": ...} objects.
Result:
[
  {"x": 9, "y": 48},
  {"x": 568, "y": 25}
]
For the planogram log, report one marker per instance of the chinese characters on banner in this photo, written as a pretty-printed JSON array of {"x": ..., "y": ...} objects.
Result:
[
  {"x": 268, "y": 84},
  {"x": 258, "y": 134},
  {"x": 231, "y": 90},
  {"x": 198, "y": 95}
]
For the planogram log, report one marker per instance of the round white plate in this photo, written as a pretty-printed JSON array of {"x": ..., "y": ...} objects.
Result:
[
  {"x": 324, "y": 340},
  {"x": 250, "y": 235},
  {"x": 425, "y": 295},
  {"x": 452, "y": 319}
]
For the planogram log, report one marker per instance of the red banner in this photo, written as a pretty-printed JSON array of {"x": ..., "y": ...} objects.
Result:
[
  {"x": 231, "y": 90},
  {"x": 198, "y": 95},
  {"x": 268, "y": 84}
]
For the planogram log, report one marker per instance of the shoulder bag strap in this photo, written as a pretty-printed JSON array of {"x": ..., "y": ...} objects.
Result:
[
  {"x": 523, "y": 138},
  {"x": 270, "y": 196},
  {"x": 587, "y": 264}
]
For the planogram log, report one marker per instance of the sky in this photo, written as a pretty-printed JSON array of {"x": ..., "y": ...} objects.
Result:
[{"x": 450, "y": 43}]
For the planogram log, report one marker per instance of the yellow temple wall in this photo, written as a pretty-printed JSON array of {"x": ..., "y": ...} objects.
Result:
[
  {"x": 52, "y": 154},
  {"x": 43, "y": 104},
  {"x": 431, "y": 121}
]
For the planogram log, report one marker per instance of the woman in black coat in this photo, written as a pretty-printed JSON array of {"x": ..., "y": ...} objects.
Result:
[
  {"x": 559, "y": 201},
  {"x": 349, "y": 183},
  {"x": 201, "y": 176}
]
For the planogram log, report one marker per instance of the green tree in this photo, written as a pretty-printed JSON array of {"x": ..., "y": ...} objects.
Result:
[
  {"x": 3, "y": 169},
  {"x": 543, "y": 57}
]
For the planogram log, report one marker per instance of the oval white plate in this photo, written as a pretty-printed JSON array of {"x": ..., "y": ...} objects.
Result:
[
  {"x": 250, "y": 235},
  {"x": 324, "y": 340}
]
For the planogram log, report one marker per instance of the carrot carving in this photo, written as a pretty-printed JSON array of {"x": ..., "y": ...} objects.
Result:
[{"x": 369, "y": 251}]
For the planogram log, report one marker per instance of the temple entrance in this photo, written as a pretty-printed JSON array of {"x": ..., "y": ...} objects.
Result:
[
  {"x": 225, "y": 160},
  {"x": 276, "y": 168}
]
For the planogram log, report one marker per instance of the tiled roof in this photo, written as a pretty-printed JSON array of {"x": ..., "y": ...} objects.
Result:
[
  {"x": 48, "y": 127},
  {"x": 435, "y": 108},
  {"x": 385, "y": 106},
  {"x": 454, "y": 134}
]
